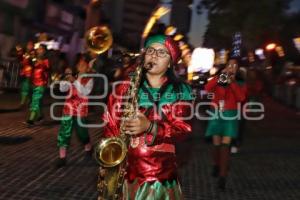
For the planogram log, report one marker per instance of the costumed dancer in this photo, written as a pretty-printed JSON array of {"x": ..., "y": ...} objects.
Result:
[
  {"x": 39, "y": 82},
  {"x": 27, "y": 62},
  {"x": 224, "y": 125},
  {"x": 164, "y": 101},
  {"x": 75, "y": 111}
]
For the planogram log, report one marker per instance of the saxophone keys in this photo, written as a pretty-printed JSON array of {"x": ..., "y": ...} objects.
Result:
[
  {"x": 101, "y": 186},
  {"x": 123, "y": 172},
  {"x": 102, "y": 172}
]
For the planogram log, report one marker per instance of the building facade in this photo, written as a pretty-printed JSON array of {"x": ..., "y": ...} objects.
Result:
[
  {"x": 21, "y": 20},
  {"x": 129, "y": 17}
]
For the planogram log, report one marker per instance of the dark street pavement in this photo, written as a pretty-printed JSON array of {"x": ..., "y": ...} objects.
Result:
[{"x": 266, "y": 168}]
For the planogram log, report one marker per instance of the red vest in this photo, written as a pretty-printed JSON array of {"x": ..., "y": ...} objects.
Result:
[
  {"x": 77, "y": 103},
  {"x": 40, "y": 73}
]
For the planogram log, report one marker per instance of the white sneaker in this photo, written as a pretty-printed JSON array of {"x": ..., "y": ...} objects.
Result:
[{"x": 234, "y": 149}]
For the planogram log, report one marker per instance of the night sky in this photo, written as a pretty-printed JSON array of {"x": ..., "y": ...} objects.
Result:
[
  {"x": 295, "y": 5},
  {"x": 199, "y": 22}
]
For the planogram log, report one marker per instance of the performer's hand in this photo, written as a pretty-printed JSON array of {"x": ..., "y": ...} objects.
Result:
[
  {"x": 117, "y": 73},
  {"x": 137, "y": 125},
  {"x": 231, "y": 78}
]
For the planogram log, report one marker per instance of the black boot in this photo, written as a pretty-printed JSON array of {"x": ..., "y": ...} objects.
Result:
[
  {"x": 39, "y": 120},
  {"x": 29, "y": 123},
  {"x": 216, "y": 160},
  {"x": 61, "y": 162},
  {"x": 222, "y": 183}
]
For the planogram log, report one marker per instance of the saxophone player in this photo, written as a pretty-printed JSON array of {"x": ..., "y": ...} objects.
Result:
[{"x": 164, "y": 101}]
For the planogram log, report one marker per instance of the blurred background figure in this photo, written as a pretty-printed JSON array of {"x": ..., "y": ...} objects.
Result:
[
  {"x": 75, "y": 110},
  {"x": 40, "y": 78},
  {"x": 255, "y": 86},
  {"x": 27, "y": 59},
  {"x": 223, "y": 127},
  {"x": 241, "y": 77},
  {"x": 127, "y": 68}
]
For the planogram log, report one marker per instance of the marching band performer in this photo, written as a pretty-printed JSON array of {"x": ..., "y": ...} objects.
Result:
[
  {"x": 75, "y": 111},
  {"x": 26, "y": 61},
  {"x": 163, "y": 103},
  {"x": 39, "y": 82},
  {"x": 228, "y": 93}
]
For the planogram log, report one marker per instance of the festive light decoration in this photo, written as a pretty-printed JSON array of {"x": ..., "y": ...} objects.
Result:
[
  {"x": 297, "y": 43},
  {"x": 170, "y": 31},
  {"x": 236, "y": 45},
  {"x": 260, "y": 53},
  {"x": 270, "y": 46},
  {"x": 178, "y": 37},
  {"x": 158, "y": 13},
  {"x": 202, "y": 60},
  {"x": 280, "y": 51}
]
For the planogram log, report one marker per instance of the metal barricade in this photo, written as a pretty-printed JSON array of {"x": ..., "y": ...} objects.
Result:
[{"x": 9, "y": 74}]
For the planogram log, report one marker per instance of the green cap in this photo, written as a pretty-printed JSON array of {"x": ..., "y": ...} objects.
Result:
[{"x": 156, "y": 39}]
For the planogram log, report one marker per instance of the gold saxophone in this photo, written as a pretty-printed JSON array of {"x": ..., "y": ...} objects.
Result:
[{"x": 111, "y": 152}]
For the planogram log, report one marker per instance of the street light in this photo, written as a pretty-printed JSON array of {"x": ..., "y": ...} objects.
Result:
[
  {"x": 271, "y": 46},
  {"x": 297, "y": 43},
  {"x": 280, "y": 51}
]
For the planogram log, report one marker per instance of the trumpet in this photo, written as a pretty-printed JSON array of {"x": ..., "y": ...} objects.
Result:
[{"x": 224, "y": 78}]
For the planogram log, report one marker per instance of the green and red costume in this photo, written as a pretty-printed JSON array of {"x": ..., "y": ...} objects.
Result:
[
  {"x": 224, "y": 123},
  {"x": 75, "y": 110},
  {"x": 39, "y": 82},
  {"x": 152, "y": 169},
  {"x": 226, "y": 100},
  {"x": 25, "y": 74}
]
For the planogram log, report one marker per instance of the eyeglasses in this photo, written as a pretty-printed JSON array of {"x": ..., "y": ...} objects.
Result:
[
  {"x": 158, "y": 52},
  {"x": 232, "y": 65}
]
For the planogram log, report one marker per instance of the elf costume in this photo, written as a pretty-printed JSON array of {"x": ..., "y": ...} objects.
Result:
[
  {"x": 75, "y": 110},
  {"x": 224, "y": 123},
  {"x": 25, "y": 74},
  {"x": 39, "y": 83},
  {"x": 152, "y": 169}
]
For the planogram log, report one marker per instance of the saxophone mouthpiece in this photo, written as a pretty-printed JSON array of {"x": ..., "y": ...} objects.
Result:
[{"x": 148, "y": 66}]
